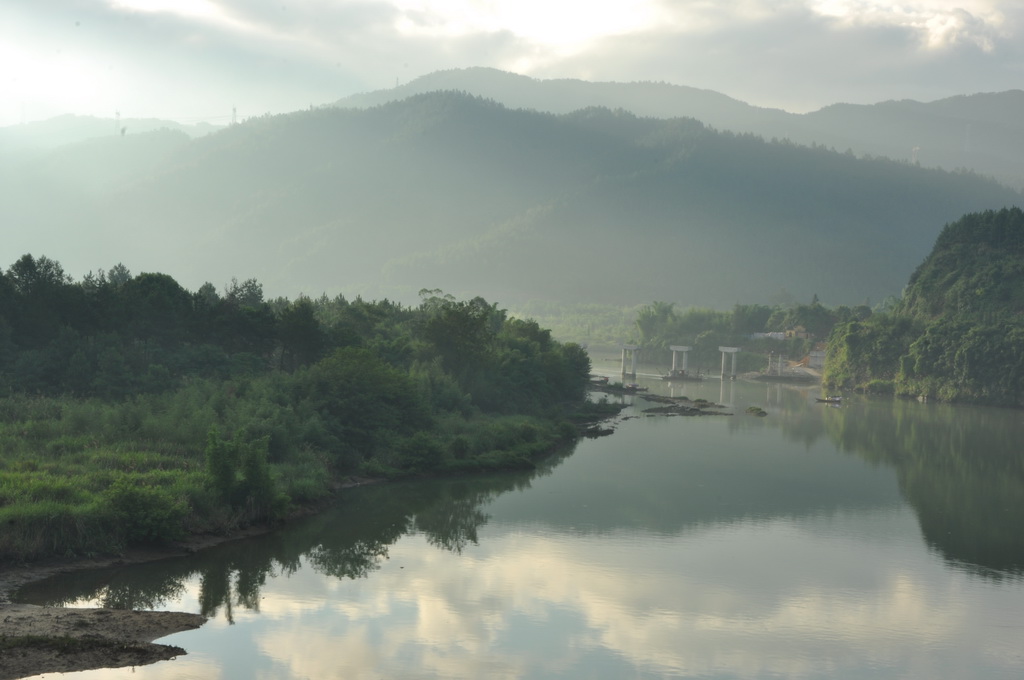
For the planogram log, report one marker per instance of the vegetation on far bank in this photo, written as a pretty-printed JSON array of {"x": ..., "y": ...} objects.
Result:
[
  {"x": 956, "y": 334},
  {"x": 791, "y": 331},
  {"x": 134, "y": 411}
]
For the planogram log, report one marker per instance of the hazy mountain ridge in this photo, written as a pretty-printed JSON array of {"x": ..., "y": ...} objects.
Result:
[
  {"x": 657, "y": 100},
  {"x": 459, "y": 192},
  {"x": 983, "y": 132},
  {"x": 705, "y": 229},
  {"x": 70, "y": 129}
]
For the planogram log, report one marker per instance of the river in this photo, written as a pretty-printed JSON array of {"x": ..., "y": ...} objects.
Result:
[{"x": 878, "y": 539}]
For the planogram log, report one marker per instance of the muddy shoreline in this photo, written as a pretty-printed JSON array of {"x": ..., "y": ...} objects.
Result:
[{"x": 35, "y": 640}]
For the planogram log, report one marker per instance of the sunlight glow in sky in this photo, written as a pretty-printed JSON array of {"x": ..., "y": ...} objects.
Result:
[
  {"x": 550, "y": 23},
  {"x": 193, "y": 8},
  {"x": 199, "y": 58}
]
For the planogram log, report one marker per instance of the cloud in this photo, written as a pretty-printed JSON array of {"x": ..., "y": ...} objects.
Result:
[
  {"x": 800, "y": 58},
  {"x": 719, "y": 601},
  {"x": 938, "y": 24},
  {"x": 198, "y": 58},
  {"x": 170, "y": 63}
]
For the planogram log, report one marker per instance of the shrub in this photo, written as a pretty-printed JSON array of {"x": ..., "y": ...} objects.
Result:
[
  {"x": 459, "y": 447},
  {"x": 240, "y": 476},
  {"x": 145, "y": 514},
  {"x": 39, "y": 529},
  {"x": 879, "y": 387},
  {"x": 420, "y": 453}
]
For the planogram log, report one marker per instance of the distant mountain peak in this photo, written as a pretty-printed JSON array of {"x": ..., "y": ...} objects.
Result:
[
  {"x": 983, "y": 132},
  {"x": 564, "y": 95}
]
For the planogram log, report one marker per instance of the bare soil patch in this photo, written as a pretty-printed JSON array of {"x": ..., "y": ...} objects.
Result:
[{"x": 36, "y": 640}]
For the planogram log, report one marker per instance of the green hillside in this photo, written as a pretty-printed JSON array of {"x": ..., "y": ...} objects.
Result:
[
  {"x": 974, "y": 273},
  {"x": 958, "y": 332}
]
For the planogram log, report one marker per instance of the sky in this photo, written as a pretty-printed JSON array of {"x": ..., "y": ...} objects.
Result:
[{"x": 210, "y": 60}]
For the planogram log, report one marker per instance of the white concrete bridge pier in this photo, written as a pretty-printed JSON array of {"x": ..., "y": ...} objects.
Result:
[
  {"x": 732, "y": 351},
  {"x": 632, "y": 349},
  {"x": 676, "y": 349}
]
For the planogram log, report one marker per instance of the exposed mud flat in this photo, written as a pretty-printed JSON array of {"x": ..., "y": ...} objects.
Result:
[{"x": 36, "y": 640}]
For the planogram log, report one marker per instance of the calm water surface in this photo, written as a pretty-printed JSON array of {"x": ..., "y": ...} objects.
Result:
[{"x": 877, "y": 540}]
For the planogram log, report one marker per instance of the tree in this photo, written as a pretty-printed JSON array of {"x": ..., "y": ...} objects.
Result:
[
  {"x": 747, "y": 319},
  {"x": 30, "y": 275},
  {"x": 43, "y": 300},
  {"x": 461, "y": 332},
  {"x": 302, "y": 339},
  {"x": 360, "y": 399},
  {"x": 158, "y": 308},
  {"x": 655, "y": 322},
  {"x": 207, "y": 293},
  {"x": 118, "y": 275},
  {"x": 240, "y": 475},
  {"x": 249, "y": 293}
]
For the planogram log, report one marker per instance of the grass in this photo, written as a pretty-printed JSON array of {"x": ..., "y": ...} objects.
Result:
[{"x": 83, "y": 477}]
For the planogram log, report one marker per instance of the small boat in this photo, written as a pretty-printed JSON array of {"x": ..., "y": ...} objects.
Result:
[
  {"x": 829, "y": 400},
  {"x": 633, "y": 387}
]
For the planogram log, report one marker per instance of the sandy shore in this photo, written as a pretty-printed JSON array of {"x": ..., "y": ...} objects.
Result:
[{"x": 35, "y": 640}]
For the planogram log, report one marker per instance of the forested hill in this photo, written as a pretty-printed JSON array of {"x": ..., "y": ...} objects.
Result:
[
  {"x": 983, "y": 132},
  {"x": 958, "y": 332},
  {"x": 451, "y": 191},
  {"x": 974, "y": 272}
]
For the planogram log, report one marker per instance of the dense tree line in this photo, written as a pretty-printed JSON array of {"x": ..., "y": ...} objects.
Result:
[
  {"x": 114, "y": 335},
  {"x": 134, "y": 410},
  {"x": 660, "y": 325},
  {"x": 957, "y": 334}
]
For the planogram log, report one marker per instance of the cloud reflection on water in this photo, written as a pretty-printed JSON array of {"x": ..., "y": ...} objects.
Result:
[{"x": 543, "y": 606}]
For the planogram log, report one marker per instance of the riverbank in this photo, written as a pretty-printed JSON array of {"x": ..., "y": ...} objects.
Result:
[
  {"x": 13, "y": 576},
  {"x": 36, "y": 640}
]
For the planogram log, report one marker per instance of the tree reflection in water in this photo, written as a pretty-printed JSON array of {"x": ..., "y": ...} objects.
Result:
[
  {"x": 347, "y": 541},
  {"x": 960, "y": 467}
]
